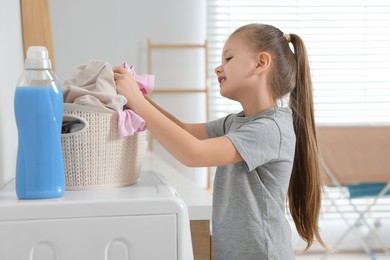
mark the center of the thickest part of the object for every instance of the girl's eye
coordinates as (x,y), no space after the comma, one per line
(227,59)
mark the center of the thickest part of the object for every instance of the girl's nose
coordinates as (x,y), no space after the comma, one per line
(218,69)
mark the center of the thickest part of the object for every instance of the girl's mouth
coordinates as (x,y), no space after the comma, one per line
(221,79)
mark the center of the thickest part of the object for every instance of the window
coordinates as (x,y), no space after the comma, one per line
(348,43)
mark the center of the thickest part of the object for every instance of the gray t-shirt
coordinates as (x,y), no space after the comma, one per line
(249,197)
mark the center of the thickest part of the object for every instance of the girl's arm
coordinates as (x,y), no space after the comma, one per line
(184,146)
(197,130)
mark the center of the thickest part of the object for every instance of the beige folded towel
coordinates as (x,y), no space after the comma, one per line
(93,84)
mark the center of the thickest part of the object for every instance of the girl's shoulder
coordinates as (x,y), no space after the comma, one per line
(273,114)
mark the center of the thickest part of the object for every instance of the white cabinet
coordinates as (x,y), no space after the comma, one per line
(113,238)
(144,221)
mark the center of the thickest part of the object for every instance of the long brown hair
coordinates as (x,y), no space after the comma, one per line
(290,74)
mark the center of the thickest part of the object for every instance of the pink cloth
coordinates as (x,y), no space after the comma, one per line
(145,82)
(129,123)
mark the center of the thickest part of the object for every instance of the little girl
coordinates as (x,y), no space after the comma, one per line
(265,154)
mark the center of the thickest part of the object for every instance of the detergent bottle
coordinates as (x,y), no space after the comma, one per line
(38,108)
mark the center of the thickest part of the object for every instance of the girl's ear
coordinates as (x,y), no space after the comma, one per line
(263,62)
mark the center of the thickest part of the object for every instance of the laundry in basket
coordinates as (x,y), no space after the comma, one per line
(95,154)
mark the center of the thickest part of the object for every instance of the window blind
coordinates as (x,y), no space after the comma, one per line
(348,44)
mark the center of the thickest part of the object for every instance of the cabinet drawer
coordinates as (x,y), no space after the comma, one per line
(101,238)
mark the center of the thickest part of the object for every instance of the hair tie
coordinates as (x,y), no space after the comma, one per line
(288,37)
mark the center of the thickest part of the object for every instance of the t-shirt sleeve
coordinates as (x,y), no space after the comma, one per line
(216,128)
(258,142)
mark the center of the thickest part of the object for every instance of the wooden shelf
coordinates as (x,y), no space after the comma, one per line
(36,26)
(179,91)
(176,46)
(162,47)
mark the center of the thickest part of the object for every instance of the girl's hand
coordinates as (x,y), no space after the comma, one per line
(127,87)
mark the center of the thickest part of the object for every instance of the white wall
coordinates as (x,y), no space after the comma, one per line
(117,31)
(11,66)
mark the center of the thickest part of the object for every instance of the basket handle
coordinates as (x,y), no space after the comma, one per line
(73,125)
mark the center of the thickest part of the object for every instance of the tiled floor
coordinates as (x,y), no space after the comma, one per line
(379,256)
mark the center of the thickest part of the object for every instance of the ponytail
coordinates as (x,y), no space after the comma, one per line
(305,188)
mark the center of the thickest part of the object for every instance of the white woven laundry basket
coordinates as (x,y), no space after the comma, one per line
(96,157)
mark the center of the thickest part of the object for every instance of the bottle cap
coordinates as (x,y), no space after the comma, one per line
(37,58)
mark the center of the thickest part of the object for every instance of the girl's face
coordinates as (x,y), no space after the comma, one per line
(236,73)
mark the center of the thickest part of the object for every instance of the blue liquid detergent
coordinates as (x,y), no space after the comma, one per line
(40,165)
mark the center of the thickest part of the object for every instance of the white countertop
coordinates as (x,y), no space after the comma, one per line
(152,195)
(198,200)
